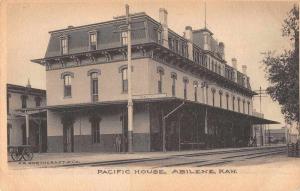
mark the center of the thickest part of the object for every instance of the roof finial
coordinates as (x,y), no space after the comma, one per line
(28,84)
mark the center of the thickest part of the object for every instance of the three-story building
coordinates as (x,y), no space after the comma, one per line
(185,94)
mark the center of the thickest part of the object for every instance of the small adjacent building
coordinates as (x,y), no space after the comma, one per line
(19,98)
(185,94)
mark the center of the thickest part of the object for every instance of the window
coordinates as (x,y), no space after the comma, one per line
(67,85)
(248,107)
(95,124)
(94,86)
(185,82)
(233,99)
(160,71)
(170,43)
(124,80)
(159,37)
(24,101)
(7,103)
(220,94)
(124,38)
(213,91)
(239,104)
(243,106)
(38,101)
(174,77)
(227,101)
(93,40)
(64,45)
(195,90)
(8,133)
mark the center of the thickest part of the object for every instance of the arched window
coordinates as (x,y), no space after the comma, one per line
(174,78)
(213,91)
(124,80)
(239,109)
(94,86)
(67,85)
(227,100)
(233,99)
(220,94)
(195,83)
(248,107)
(160,72)
(185,83)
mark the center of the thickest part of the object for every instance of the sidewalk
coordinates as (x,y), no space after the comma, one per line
(62,159)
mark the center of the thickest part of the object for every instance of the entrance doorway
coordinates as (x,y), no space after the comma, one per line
(68,137)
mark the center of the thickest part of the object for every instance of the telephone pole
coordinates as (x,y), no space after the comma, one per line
(129,70)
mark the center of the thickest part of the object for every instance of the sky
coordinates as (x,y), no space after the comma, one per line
(248,29)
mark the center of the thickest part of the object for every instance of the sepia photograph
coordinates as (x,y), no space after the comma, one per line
(149,95)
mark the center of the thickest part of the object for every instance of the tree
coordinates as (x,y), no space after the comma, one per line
(282,71)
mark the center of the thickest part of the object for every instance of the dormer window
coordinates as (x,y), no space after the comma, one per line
(124,38)
(93,40)
(64,47)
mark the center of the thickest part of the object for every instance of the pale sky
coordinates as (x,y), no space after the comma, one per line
(246,28)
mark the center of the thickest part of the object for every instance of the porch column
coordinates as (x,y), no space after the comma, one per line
(164,131)
(27,128)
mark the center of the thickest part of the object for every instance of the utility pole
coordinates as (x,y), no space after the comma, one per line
(129,70)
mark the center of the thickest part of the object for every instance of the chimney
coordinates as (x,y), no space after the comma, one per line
(221,48)
(244,69)
(188,33)
(234,63)
(163,18)
(189,36)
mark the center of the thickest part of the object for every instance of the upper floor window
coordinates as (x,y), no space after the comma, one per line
(170,43)
(24,101)
(243,106)
(220,94)
(94,86)
(195,90)
(159,37)
(93,40)
(64,47)
(233,99)
(213,91)
(124,38)
(160,72)
(7,103)
(124,80)
(227,101)
(248,107)
(239,104)
(67,85)
(185,83)
(174,77)
(38,101)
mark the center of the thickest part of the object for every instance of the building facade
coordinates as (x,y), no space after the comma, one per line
(186,96)
(19,98)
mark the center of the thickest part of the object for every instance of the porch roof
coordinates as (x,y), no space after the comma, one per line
(118,103)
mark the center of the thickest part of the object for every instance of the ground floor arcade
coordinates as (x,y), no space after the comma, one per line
(158,125)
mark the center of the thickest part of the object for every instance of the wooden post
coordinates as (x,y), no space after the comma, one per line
(179,132)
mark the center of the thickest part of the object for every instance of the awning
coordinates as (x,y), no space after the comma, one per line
(123,103)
